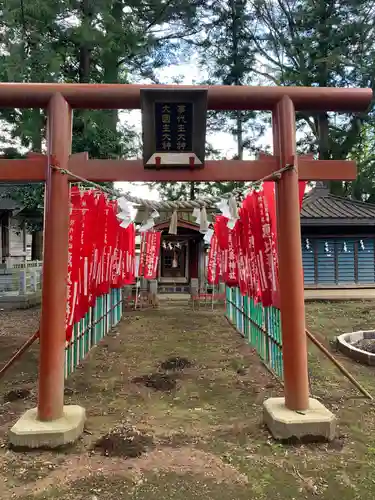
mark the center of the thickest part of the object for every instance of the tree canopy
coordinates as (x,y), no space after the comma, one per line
(302,43)
(235,42)
(106,41)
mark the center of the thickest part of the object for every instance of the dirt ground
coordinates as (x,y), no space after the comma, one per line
(174,402)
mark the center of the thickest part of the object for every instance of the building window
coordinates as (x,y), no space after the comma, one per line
(173,262)
(167,261)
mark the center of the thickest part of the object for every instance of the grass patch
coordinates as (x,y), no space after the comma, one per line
(203,437)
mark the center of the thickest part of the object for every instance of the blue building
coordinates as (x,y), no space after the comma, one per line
(338,236)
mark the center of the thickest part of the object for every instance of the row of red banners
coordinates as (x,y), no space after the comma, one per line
(101,253)
(246,256)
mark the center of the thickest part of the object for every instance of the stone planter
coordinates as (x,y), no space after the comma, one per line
(345,345)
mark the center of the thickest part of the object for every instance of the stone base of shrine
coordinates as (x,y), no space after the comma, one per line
(29,432)
(315,424)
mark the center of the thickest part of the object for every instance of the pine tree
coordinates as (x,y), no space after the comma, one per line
(318,43)
(28,54)
(226,55)
(86,42)
(363,188)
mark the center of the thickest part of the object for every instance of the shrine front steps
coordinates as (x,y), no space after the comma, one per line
(174,289)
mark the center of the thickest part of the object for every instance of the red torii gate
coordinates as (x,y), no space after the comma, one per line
(59,100)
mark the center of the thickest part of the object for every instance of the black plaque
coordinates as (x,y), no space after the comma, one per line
(174,127)
(174,121)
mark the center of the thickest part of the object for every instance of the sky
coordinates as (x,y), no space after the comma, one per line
(190,74)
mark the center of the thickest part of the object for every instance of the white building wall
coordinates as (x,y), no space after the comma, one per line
(19,242)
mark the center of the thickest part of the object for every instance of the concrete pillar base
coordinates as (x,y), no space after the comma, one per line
(29,432)
(153,293)
(194,286)
(315,424)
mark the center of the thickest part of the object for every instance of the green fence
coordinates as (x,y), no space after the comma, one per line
(260,326)
(106,313)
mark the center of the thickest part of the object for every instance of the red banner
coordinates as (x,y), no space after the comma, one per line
(222,231)
(128,252)
(264,239)
(231,270)
(100,244)
(238,233)
(213,266)
(269,193)
(152,254)
(87,250)
(249,222)
(226,241)
(142,255)
(73,260)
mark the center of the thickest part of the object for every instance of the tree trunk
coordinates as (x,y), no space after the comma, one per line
(335,187)
(323,136)
(324,81)
(111,60)
(192,191)
(85,46)
(38,129)
(236,74)
(239,136)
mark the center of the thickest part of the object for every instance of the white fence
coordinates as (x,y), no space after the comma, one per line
(21,279)
(27,264)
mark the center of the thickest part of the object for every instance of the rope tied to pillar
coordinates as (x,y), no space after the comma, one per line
(199,203)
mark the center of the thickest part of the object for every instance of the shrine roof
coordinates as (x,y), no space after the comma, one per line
(6,203)
(182,223)
(322,208)
(319,208)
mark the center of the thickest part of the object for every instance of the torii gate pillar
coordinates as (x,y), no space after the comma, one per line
(296,415)
(52,424)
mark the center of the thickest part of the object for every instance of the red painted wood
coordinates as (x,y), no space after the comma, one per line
(220,97)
